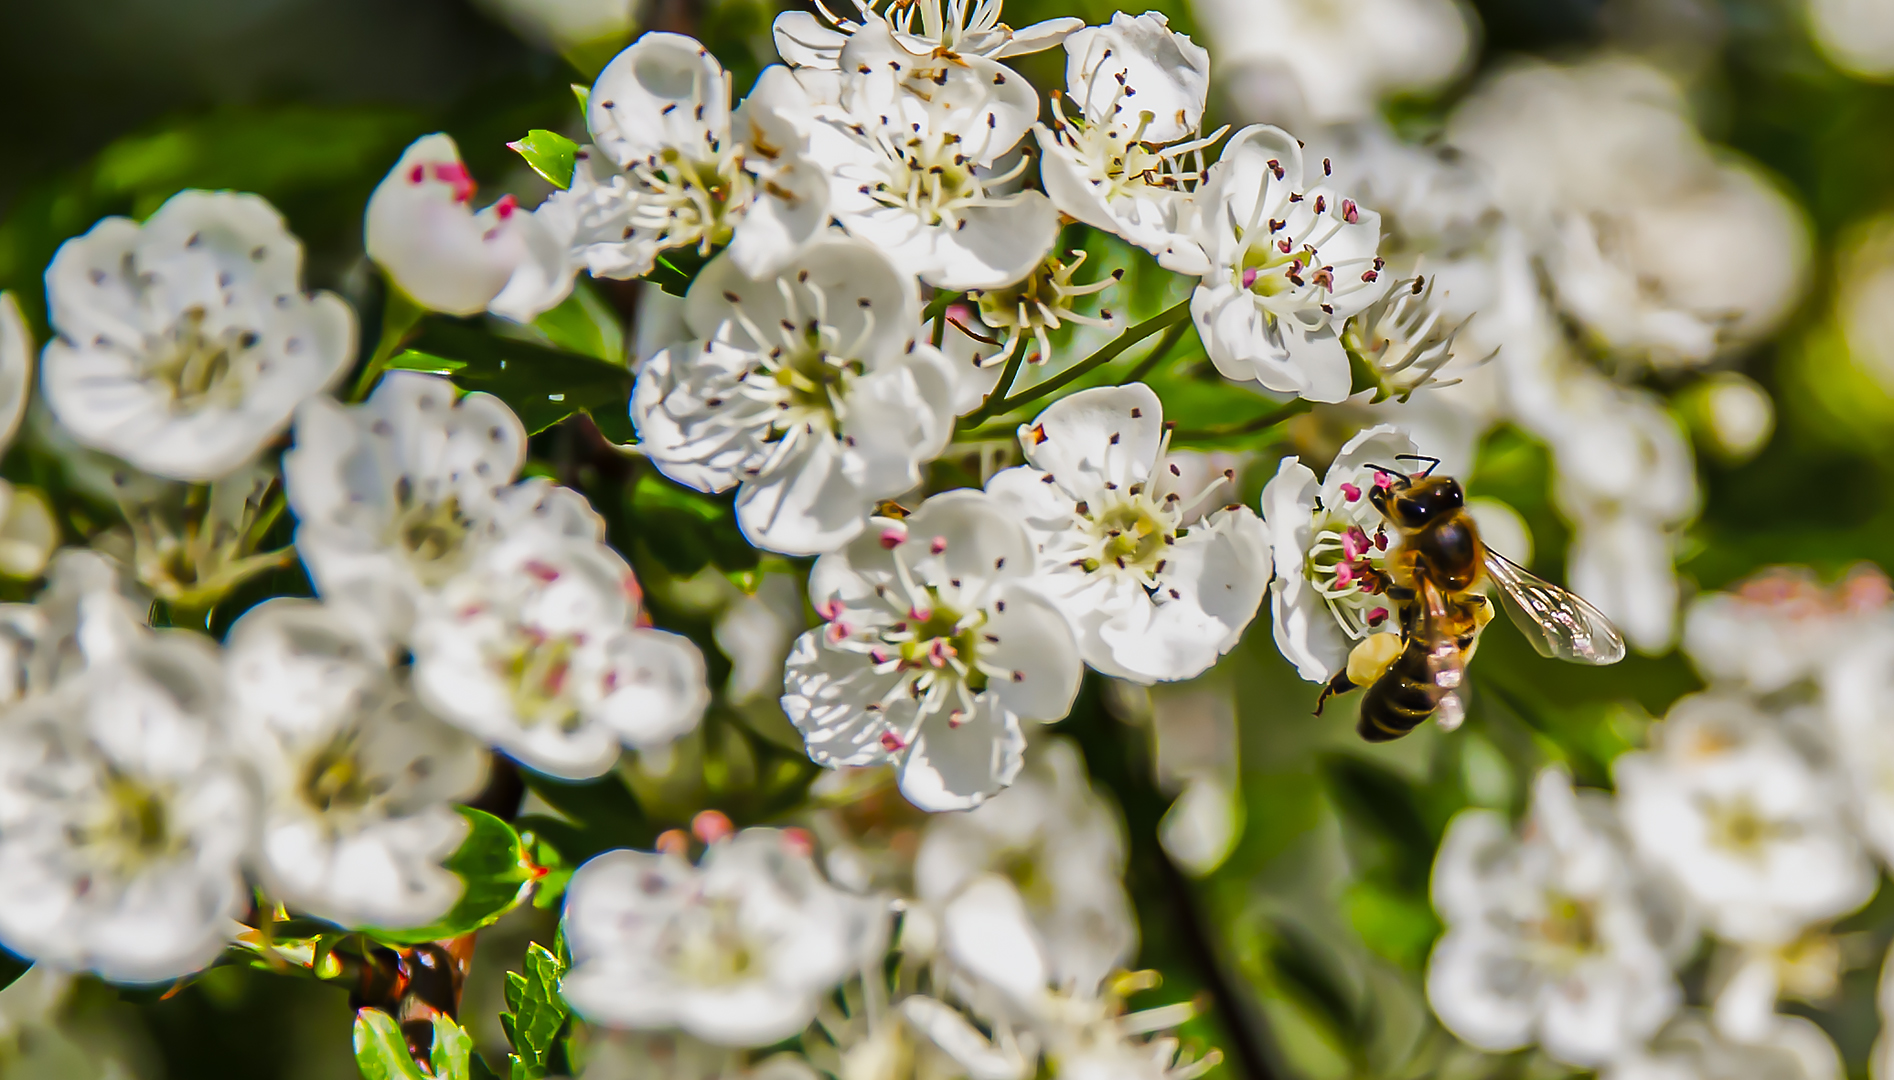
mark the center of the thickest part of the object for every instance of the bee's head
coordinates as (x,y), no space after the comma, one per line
(1415,502)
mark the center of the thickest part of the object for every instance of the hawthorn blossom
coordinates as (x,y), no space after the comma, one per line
(1290,261)
(1855,680)
(1157,580)
(1041,302)
(123,818)
(422,229)
(394,497)
(1331,549)
(1750,828)
(805,391)
(1553,936)
(28,530)
(358,780)
(937,646)
(1781,626)
(535,648)
(1661,249)
(962,27)
(671,168)
(1061,845)
(1318,63)
(1124,162)
(740,950)
(185,343)
(915,151)
(1404,339)
(1689,1047)
(16,366)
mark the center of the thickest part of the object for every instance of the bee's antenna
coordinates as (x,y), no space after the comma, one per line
(1432,462)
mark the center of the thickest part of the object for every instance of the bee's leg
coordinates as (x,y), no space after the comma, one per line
(1340,684)
(1400,593)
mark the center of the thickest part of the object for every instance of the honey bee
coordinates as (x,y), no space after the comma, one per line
(1433,575)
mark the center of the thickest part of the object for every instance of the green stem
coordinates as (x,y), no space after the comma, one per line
(997,405)
(1000,389)
(1245,427)
(936,313)
(399,315)
(1158,352)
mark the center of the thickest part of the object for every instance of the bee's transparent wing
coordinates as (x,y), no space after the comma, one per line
(1557,623)
(1446,664)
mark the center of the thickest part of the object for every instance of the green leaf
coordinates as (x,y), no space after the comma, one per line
(586,325)
(584,94)
(380,1050)
(498,875)
(686,529)
(676,269)
(543,385)
(551,155)
(538,1014)
(452,1048)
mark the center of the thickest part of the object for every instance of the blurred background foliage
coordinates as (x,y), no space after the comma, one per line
(1310,936)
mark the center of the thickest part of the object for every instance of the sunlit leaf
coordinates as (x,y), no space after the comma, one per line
(551,155)
(498,874)
(380,1050)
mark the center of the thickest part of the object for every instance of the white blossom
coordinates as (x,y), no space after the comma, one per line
(16,366)
(1750,828)
(1062,846)
(358,781)
(740,950)
(185,343)
(1856,36)
(1129,160)
(397,495)
(1331,548)
(917,153)
(1553,936)
(1691,1049)
(1662,250)
(672,168)
(1781,626)
(963,27)
(535,648)
(806,391)
(937,646)
(1290,261)
(422,229)
(1158,579)
(1316,62)
(1857,701)
(123,819)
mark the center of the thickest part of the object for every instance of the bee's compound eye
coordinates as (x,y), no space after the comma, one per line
(1410,513)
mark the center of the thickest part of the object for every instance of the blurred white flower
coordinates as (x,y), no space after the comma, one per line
(1857,696)
(535,648)
(937,646)
(1781,626)
(1061,845)
(805,390)
(1743,821)
(16,367)
(1290,261)
(565,25)
(185,344)
(358,781)
(1318,62)
(1129,166)
(1552,936)
(756,631)
(1755,977)
(963,27)
(1158,579)
(1331,549)
(1663,251)
(123,818)
(1737,413)
(395,496)
(1690,1049)
(738,951)
(916,151)
(421,228)
(1857,36)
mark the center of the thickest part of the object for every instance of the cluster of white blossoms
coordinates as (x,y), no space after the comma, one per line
(993,947)
(1756,816)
